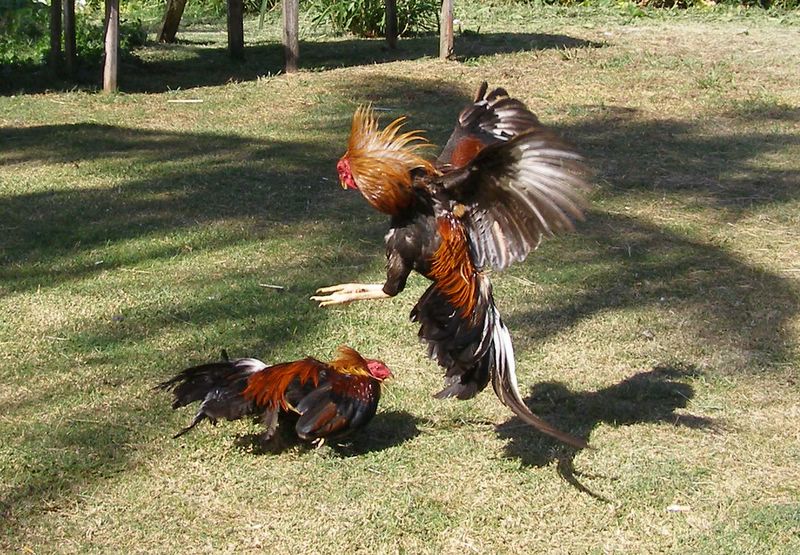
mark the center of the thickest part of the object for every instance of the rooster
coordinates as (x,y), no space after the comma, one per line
(502,182)
(329,400)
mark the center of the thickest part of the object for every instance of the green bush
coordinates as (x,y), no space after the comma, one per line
(23,32)
(367,18)
(217,9)
(25,38)
(89,38)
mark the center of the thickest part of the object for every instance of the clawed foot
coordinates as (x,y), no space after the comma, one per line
(345,293)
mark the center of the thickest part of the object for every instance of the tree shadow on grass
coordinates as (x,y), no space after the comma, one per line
(197,63)
(173,184)
(647,397)
(720,168)
(620,263)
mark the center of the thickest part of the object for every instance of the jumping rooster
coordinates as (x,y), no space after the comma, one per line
(502,182)
(331,400)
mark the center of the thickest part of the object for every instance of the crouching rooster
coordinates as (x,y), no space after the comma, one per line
(501,184)
(328,400)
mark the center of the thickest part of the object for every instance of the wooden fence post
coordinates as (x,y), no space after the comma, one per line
(391,23)
(54,57)
(446,30)
(111,65)
(236,28)
(70,55)
(291,31)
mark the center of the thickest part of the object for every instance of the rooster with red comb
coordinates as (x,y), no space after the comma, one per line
(502,182)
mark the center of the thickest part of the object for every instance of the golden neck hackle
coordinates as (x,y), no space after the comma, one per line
(382,160)
(350,362)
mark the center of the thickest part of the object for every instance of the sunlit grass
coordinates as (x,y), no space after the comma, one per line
(138,236)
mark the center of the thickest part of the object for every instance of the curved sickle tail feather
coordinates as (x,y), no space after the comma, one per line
(475,348)
(504,382)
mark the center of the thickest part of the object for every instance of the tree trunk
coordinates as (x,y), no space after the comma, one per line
(291,31)
(54,57)
(111,66)
(446,31)
(172,19)
(391,23)
(236,29)
(70,53)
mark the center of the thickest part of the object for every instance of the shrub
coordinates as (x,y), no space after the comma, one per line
(89,38)
(23,32)
(25,36)
(217,9)
(367,18)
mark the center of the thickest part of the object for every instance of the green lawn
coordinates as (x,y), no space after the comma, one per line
(137,235)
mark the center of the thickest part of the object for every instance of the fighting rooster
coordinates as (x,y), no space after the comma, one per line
(502,182)
(328,400)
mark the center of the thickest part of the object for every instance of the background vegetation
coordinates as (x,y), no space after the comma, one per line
(24,23)
(138,232)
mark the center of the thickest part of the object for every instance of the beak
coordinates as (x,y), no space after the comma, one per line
(342,184)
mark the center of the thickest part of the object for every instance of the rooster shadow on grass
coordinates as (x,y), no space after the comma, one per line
(648,397)
(387,429)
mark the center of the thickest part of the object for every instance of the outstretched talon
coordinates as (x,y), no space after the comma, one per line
(345,293)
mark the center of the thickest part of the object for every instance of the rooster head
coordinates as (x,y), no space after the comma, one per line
(346,178)
(379,162)
(378,370)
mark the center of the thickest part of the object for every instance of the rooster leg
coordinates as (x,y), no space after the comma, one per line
(349,292)
(197,419)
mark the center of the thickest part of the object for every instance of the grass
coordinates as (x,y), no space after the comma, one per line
(137,234)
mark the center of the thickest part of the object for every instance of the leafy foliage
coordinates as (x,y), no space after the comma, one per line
(668,4)
(23,31)
(89,38)
(207,9)
(24,35)
(367,18)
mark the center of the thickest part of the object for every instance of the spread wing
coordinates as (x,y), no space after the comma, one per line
(492,117)
(342,404)
(511,180)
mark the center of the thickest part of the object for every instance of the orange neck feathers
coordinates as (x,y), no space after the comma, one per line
(268,387)
(381,160)
(350,362)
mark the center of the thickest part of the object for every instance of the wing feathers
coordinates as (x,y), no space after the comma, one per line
(337,409)
(269,388)
(522,184)
(517,192)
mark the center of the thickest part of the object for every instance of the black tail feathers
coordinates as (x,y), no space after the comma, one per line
(473,350)
(193,384)
(219,387)
(455,342)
